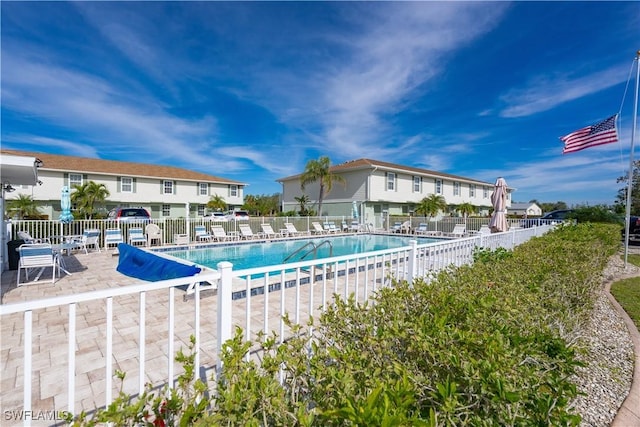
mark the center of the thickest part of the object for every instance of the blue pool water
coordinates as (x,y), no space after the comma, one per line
(251,255)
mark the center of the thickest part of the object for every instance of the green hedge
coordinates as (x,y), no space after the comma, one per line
(487,345)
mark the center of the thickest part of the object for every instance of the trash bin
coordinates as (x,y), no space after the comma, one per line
(13,254)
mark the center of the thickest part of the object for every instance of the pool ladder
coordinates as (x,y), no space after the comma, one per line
(314,249)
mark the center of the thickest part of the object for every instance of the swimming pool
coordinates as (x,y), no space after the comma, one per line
(258,254)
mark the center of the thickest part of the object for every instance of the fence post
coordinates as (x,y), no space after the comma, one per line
(413,255)
(224,307)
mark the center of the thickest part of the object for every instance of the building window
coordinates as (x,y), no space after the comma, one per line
(456,188)
(167,187)
(126,185)
(472,190)
(391,181)
(75,179)
(233,190)
(203,189)
(417,184)
(200,210)
(166,210)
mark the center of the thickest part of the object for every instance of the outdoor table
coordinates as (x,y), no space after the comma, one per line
(59,249)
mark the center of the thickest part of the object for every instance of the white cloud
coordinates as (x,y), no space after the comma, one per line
(544,92)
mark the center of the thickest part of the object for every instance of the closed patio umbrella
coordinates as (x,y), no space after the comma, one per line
(354,206)
(498,221)
(65,203)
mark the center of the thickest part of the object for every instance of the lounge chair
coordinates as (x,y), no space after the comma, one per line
(483,231)
(37,255)
(136,236)
(219,234)
(317,228)
(24,235)
(201,234)
(246,232)
(90,237)
(397,227)
(330,227)
(460,230)
(291,230)
(153,232)
(355,226)
(112,236)
(422,228)
(267,231)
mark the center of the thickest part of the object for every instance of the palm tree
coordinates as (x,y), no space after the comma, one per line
(22,207)
(319,170)
(465,209)
(87,195)
(302,200)
(217,203)
(430,206)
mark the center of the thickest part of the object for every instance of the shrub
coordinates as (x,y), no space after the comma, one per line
(487,344)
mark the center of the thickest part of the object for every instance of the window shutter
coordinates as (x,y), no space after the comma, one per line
(175,187)
(134,185)
(161,187)
(197,188)
(66,179)
(85,179)
(119,187)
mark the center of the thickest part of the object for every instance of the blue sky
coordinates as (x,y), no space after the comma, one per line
(251,91)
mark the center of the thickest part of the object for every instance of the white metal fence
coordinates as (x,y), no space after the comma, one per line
(254,299)
(170,227)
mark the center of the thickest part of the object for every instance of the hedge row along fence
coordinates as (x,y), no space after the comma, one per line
(488,344)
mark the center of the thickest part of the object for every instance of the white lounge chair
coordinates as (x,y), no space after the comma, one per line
(483,231)
(267,231)
(219,234)
(37,255)
(291,230)
(153,232)
(112,237)
(460,230)
(137,237)
(24,235)
(90,237)
(201,234)
(330,227)
(317,228)
(246,232)
(355,226)
(422,228)
(397,227)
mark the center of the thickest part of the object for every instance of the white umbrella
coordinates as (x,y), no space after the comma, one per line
(498,221)
(65,203)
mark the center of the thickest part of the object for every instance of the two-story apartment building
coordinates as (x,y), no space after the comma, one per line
(380,187)
(165,191)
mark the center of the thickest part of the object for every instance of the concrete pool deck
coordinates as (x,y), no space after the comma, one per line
(95,271)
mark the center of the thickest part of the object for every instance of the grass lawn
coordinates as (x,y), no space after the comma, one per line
(627,292)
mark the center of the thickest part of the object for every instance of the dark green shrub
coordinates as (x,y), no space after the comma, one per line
(489,344)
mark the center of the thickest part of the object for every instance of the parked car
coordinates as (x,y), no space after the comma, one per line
(129,215)
(560,214)
(237,216)
(634,229)
(216,216)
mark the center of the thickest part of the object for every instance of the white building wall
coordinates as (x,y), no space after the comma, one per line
(147,193)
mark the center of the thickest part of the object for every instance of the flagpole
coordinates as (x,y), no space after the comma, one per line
(630,178)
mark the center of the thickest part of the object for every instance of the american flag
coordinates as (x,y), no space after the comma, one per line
(601,133)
